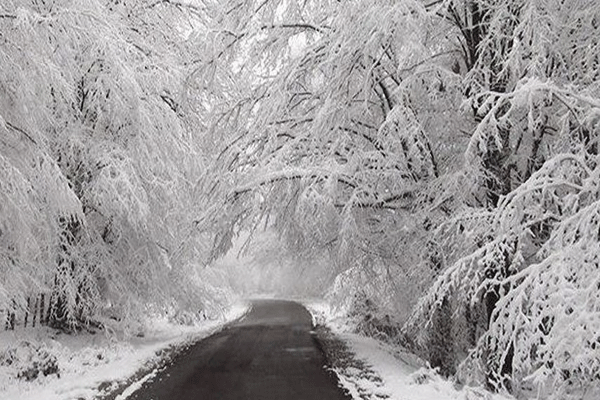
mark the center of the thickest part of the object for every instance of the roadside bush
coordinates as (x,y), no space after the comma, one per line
(29,361)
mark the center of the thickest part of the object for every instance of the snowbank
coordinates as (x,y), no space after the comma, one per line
(382,371)
(88,365)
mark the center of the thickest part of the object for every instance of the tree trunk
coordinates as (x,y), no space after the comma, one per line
(441,344)
(43,318)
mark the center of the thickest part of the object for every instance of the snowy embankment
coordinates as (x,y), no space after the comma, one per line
(88,366)
(381,371)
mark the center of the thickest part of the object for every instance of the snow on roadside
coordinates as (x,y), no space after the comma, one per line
(131,389)
(400,378)
(389,372)
(91,365)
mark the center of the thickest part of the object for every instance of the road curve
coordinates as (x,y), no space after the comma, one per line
(269,354)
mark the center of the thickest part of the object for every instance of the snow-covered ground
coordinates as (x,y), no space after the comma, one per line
(389,372)
(89,365)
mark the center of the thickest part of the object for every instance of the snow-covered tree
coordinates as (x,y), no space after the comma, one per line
(534,153)
(100,155)
(324,138)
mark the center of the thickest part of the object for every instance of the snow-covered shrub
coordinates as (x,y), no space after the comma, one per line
(30,361)
(423,375)
(364,299)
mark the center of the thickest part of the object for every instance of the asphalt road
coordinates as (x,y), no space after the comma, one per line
(269,354)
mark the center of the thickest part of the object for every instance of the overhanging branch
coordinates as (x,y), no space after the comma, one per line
(388,201)
(303,26)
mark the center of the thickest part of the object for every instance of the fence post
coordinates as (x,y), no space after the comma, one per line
(42,301)
(27,311)
(35,311)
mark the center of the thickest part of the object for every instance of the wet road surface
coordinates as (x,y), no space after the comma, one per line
(269,354)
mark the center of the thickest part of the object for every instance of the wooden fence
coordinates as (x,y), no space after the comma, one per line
(36,312)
